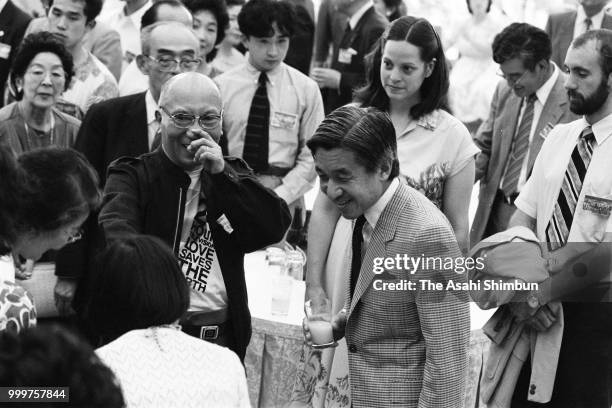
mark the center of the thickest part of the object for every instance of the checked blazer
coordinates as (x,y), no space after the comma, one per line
(408,348)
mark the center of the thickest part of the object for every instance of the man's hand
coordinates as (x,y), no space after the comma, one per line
(338,323)
(542,319)
(207,151)
(521,310)
(326,77)
(64,294)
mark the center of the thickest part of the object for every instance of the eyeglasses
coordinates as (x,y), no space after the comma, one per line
(168,64)
(39,74)
(75,236)
(186,120)
(512,78)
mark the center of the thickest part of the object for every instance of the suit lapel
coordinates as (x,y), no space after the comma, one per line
(137,128)
(508,124)
(384,232)
(551,113)
(607,21)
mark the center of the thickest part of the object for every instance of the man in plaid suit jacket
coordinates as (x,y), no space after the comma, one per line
(407,347)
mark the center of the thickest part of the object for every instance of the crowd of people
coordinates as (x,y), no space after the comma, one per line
(147,146)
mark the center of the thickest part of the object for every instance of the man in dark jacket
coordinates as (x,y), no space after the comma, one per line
(211,210)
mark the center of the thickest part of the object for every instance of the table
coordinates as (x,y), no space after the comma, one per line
(281,371)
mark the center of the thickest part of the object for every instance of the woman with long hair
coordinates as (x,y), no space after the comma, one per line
(407,77)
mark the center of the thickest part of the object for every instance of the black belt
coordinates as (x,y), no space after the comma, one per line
(274,171)
(507,199)
(206,332)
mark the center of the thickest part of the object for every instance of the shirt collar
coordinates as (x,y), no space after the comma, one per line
(596,19)
(543,92)
(359,13)
(271,74)
(2,4)
(429,121)
(151,107)
(601,129)
(373,213)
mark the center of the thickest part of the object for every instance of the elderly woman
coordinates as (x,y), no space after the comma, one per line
(138,295)
(42,70)
(45,196)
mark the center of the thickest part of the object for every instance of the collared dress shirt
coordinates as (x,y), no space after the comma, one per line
(296,110)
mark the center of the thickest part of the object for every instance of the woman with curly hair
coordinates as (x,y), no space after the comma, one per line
(42,70)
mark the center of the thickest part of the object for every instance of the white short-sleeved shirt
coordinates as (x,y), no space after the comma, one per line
(432,149)
(539,195)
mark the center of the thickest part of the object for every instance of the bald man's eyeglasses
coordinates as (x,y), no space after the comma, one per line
(186,120)
(167,64)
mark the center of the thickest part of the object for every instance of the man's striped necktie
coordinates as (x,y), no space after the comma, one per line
(519,150)
(255,151)
(560,223)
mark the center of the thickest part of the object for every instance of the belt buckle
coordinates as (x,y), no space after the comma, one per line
(209,332)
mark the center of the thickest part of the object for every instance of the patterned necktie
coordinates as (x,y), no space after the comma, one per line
(255,151)
(356,257)
(519,150)
(560,223)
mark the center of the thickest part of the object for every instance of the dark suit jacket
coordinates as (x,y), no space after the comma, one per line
(494,138)
(408,348)
(363,36)
(13,23)
(300,47)
(560,29)
(111,129)
(329,30)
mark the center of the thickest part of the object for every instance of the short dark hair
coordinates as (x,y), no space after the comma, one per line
(420,33)
(524,41)
(91,10)
(231,3)
(34,44)
(219,10)
(469,7)
(150,16)
(51,356)
(12,194)
(63,186)
(137,283)
(603,44)
(257,16)
(367,132)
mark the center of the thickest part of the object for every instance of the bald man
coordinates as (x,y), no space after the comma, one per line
(124,126)
(210,209)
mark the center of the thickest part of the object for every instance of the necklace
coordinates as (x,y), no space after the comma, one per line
(36,140)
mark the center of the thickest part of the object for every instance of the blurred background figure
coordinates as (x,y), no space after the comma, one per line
(53,357)
(392,9)
(42,70)
(210,21)
(126,21)
(563,27)
(138,295)
(228,56)
(13,24)
(473,79)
